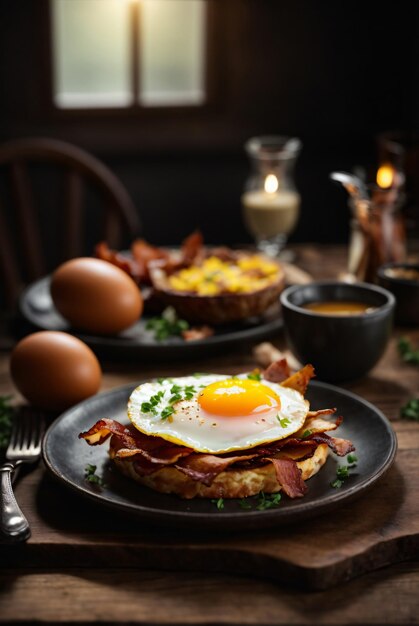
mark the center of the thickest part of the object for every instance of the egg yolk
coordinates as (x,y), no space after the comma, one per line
(236,397)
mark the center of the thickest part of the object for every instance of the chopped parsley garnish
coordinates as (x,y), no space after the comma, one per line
(410,410)
(306,433)
(167,412)
(268,501)
(163,380)
(284,421)
(263,501)
(255,375)
(150,406)
(168,325)
(407,352)
(6,420)
(91,476)
(178,393)
(342,472)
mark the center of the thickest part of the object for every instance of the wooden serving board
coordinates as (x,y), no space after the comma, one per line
(379,529)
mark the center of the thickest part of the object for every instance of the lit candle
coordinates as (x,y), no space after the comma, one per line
(389,182)
(272,210)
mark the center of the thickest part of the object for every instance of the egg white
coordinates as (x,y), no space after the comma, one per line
(194,428)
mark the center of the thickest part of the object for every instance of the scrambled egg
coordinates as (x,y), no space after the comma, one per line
(214,276)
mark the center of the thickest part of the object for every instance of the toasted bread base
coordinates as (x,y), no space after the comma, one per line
(228,484)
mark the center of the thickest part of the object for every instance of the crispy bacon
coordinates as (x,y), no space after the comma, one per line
(205,467)
(142,253)
(288,476)
(321,412)
(102,430)
(128,265)
(299,381)
(277,371)
(341,447)
(191,248)
(129,442)
(148,454)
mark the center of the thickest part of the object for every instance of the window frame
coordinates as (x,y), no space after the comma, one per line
(136,109)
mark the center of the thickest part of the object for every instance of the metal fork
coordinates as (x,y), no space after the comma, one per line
(24,447)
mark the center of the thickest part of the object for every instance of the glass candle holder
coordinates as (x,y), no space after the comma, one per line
(270,201)
(377,233)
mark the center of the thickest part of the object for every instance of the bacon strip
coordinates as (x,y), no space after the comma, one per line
(321,412)
(341,447)
(143,253)
(128,265)
(288,476)
(102,430)
(277,371)
(128,442)
(299,381)
(148,453)
(206,467)
(191,248)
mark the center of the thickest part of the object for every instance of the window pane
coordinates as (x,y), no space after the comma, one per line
(91,50)
(172,52)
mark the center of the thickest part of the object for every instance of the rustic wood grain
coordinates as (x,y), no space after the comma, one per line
(147,597)
(75,545)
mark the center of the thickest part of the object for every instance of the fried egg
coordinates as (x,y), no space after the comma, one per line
(216,413)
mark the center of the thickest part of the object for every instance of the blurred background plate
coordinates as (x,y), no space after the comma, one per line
(37,308)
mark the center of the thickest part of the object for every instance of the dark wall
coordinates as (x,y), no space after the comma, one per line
(334,74)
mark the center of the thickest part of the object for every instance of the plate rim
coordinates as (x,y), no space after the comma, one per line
(277,516)
(104,342)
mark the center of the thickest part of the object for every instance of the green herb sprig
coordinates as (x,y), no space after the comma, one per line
(260,502)
(167,325)
(255,375)
(407,352)
(342,472)
(6,421)
(177,392)
(410,410)
(151,404)
(91,476)
(306,433)
(263,501)
(284,421)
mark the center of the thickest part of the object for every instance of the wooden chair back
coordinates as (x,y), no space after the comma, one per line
(26,258)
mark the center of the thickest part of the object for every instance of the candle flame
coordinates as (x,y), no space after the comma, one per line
(385,176)
(271,183)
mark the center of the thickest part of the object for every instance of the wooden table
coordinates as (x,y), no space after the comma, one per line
(57,585)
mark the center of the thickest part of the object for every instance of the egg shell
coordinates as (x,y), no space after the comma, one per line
(54,370)
(96,296)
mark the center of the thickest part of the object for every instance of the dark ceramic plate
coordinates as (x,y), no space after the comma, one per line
(67,456)
(37,308)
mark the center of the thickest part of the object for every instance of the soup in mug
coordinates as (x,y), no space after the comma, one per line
(339,307)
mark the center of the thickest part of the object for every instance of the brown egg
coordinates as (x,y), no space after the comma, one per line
(54,370)
(96,296)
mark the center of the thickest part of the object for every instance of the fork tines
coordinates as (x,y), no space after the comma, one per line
(27,432)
